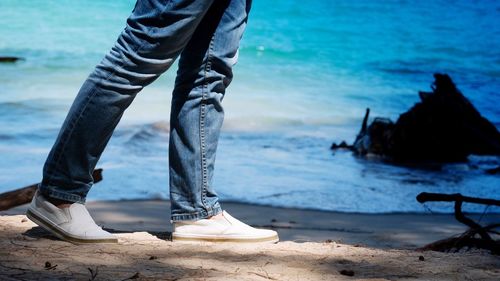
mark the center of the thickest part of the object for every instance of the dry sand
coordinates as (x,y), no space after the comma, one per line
(371,247)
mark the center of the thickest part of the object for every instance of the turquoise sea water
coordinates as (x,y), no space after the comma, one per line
(306,73)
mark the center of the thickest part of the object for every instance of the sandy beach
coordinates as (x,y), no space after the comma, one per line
(314,245)
(140,88)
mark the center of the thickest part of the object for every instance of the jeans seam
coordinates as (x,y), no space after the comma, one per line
(207,69)
(88,100)
(197,214)
(51,191)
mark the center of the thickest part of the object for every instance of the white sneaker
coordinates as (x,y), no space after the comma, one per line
(225,229)
(73,224)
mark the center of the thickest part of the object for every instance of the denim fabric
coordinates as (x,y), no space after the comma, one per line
(205,35)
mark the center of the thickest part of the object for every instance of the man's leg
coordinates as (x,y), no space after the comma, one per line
(154,36)
(205,71)
(197,114)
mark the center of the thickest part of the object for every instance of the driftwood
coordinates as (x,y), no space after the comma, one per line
(24,195)
(468,238)
(443,127)
(9,59)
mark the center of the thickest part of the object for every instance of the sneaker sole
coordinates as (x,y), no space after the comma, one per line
(62,235)
(181,238)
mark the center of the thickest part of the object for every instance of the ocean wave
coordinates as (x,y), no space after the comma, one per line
(146,133)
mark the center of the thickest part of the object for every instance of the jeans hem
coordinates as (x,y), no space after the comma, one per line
(54,192)
(203,214)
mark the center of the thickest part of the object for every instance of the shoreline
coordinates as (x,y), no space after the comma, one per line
(304,209)
(384,231)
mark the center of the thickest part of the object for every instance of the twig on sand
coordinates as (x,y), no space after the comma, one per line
(263,275)
(49,266)
(93,274)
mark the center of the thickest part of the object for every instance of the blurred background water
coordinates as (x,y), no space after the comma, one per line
(306,73)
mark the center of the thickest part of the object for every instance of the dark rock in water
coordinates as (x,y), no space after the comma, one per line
(493,171)
(343,144)
(443,127)
(9,59)
(373,139)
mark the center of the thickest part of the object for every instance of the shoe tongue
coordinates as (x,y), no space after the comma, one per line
(238,223)
(227,215)
(230,218)
(80,214)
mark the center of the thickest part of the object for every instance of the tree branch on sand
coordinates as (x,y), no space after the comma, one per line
(24,195)
(477,236)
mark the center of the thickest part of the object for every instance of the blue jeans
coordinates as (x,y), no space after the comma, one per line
(205,35)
